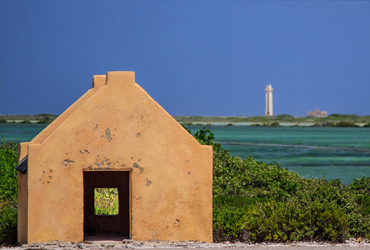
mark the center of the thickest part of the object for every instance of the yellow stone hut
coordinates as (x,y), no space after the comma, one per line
(115,136)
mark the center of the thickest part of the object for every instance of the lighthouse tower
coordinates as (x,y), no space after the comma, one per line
(268,108)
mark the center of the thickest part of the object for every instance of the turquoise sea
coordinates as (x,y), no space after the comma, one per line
(336,153)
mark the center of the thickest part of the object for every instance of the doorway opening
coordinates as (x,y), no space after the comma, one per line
(106,205)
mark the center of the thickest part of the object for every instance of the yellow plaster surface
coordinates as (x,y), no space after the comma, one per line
(117,126)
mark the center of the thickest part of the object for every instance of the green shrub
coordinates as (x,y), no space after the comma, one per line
(335,115)
(44,121)
(323,124)
(106,201)
(361,190)
(273,124)
(255,220)
(8,193)
(367,125)
(345,124)
(285,118)
(255,201)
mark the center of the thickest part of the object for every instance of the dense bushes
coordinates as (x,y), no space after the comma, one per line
(267,220)
(258,202)
(8,193)
(341,124)
(346,124)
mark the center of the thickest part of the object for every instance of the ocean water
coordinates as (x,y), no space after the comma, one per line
(18,132)
(333,153)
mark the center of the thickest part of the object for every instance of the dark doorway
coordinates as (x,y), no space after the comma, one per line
(107,227)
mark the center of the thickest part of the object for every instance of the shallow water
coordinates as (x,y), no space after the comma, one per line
(18,132)
(336,153)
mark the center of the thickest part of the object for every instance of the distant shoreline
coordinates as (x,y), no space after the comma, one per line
(282,124)
(284,120)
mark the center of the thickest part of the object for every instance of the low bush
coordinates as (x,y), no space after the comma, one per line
(257,202)
(8,193)
(187,124)
(285,118)
(44,121)
(247,219)
(106,201)
(323,124)
(346,124)
(273,124)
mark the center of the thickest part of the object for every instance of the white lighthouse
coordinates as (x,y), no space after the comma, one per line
(268,107)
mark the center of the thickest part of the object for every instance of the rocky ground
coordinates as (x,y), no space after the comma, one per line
(92,245)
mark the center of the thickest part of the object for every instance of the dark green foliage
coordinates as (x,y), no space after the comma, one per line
(257,220)
(323,124)
(349,116)
(338,124)
(285,118)
(273,124)
(255,201)
(8,193)
(44,121)
(3,121)
(345,124)
(187,123)
(26,122)
(269,119)
(361,189)
(367,125)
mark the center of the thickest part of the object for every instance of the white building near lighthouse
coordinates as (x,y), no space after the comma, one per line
(268,106)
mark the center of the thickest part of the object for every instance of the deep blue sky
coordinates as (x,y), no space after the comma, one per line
(192,57)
